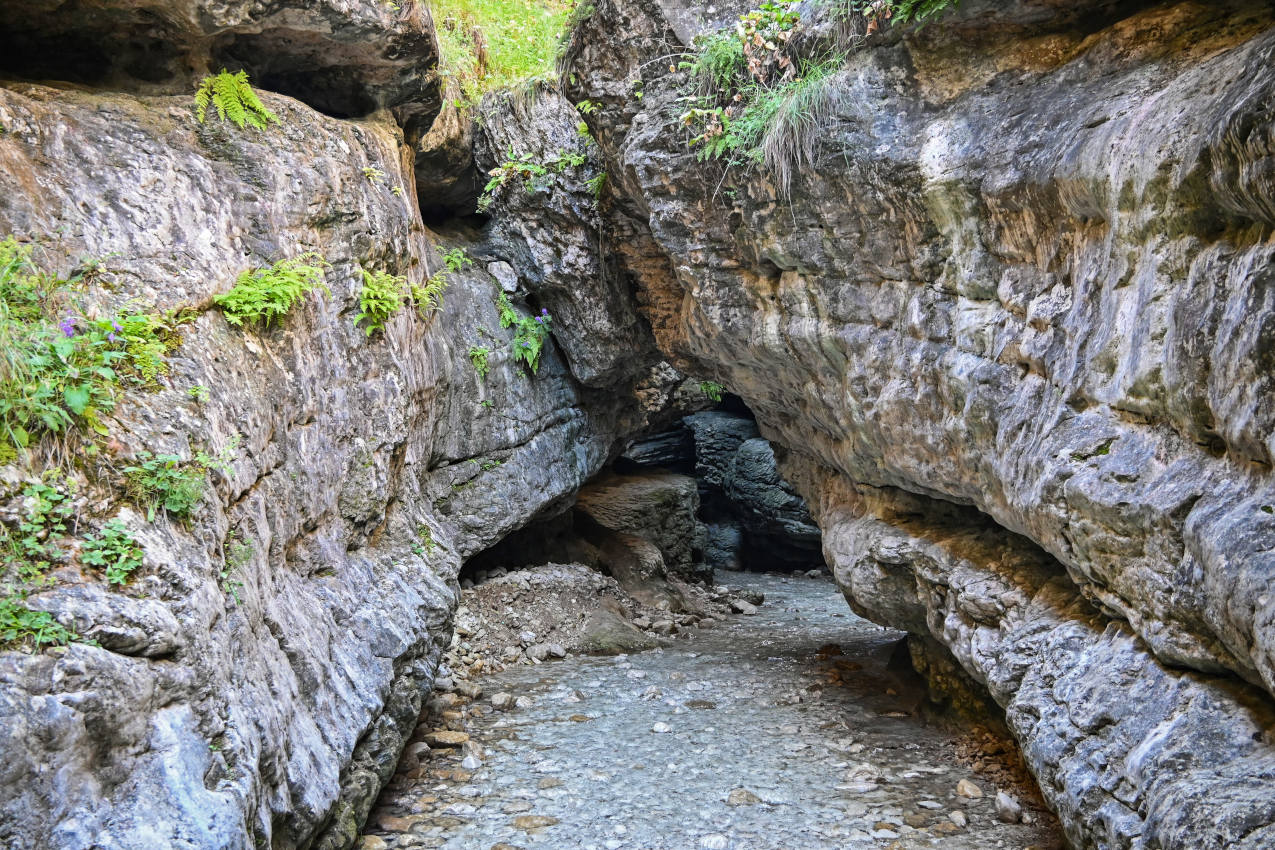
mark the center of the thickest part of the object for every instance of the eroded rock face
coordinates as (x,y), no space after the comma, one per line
(256,680)
(772,527)
(1026,271)
(347,58)
(658,507)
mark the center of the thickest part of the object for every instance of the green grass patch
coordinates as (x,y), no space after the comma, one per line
(492,44)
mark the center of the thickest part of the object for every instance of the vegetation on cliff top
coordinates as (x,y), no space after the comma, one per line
(491,44)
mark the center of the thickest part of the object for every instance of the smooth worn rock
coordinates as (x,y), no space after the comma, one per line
(658,507)
(1008,810)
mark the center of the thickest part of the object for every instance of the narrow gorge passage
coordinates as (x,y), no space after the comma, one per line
(788,729)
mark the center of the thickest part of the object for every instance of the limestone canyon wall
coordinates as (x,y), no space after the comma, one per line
(1009,325)
(254,685)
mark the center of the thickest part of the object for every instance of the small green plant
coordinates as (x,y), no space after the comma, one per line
(24,627)
(900,12)
(587,107)
(373,174)
(712,390)
(239,554)
(478,356)
(529,171)
(46,510)
(456,260)
(522,168)
(530,332)
(113,551)
(425,540)
(172,484)
(380,298)
(198,393)
(487,403)
(60,366)
(264,296)
(234,100)
(596,184)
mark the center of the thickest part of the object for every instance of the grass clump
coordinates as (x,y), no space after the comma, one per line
(492,44)
(753,101)
(234,100)
(61,366)
(264,296)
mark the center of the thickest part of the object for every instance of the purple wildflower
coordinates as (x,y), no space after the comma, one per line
(540,320)
(67,326)
(111,336)
(115,326)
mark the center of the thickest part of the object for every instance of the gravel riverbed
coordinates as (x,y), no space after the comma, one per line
(784,730)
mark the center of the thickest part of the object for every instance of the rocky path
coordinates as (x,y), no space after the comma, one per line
(786,730)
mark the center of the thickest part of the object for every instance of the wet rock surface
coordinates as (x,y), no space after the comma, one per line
(785,729)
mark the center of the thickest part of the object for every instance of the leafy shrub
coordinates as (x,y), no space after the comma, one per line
(266,295)
(478,356)
(712,390)
(58,366)
(380,298)
(113,550)
(234,100)
(530,332)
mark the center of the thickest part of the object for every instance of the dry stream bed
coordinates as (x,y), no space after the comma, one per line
(785,730)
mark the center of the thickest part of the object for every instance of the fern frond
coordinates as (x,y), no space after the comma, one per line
(203,97)
(234,100)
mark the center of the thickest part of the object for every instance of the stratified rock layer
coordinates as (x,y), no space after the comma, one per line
(256,680)
(1025,269)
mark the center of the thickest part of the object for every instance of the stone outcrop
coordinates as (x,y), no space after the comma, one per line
(759,520)
(658,507)
(1021,267)
(254,684)
(346,58)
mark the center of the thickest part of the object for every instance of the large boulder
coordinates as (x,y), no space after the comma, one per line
(659,507)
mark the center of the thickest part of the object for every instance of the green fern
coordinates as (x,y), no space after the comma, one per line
(266,295)
(429,298)
(234,100)
(380,298)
